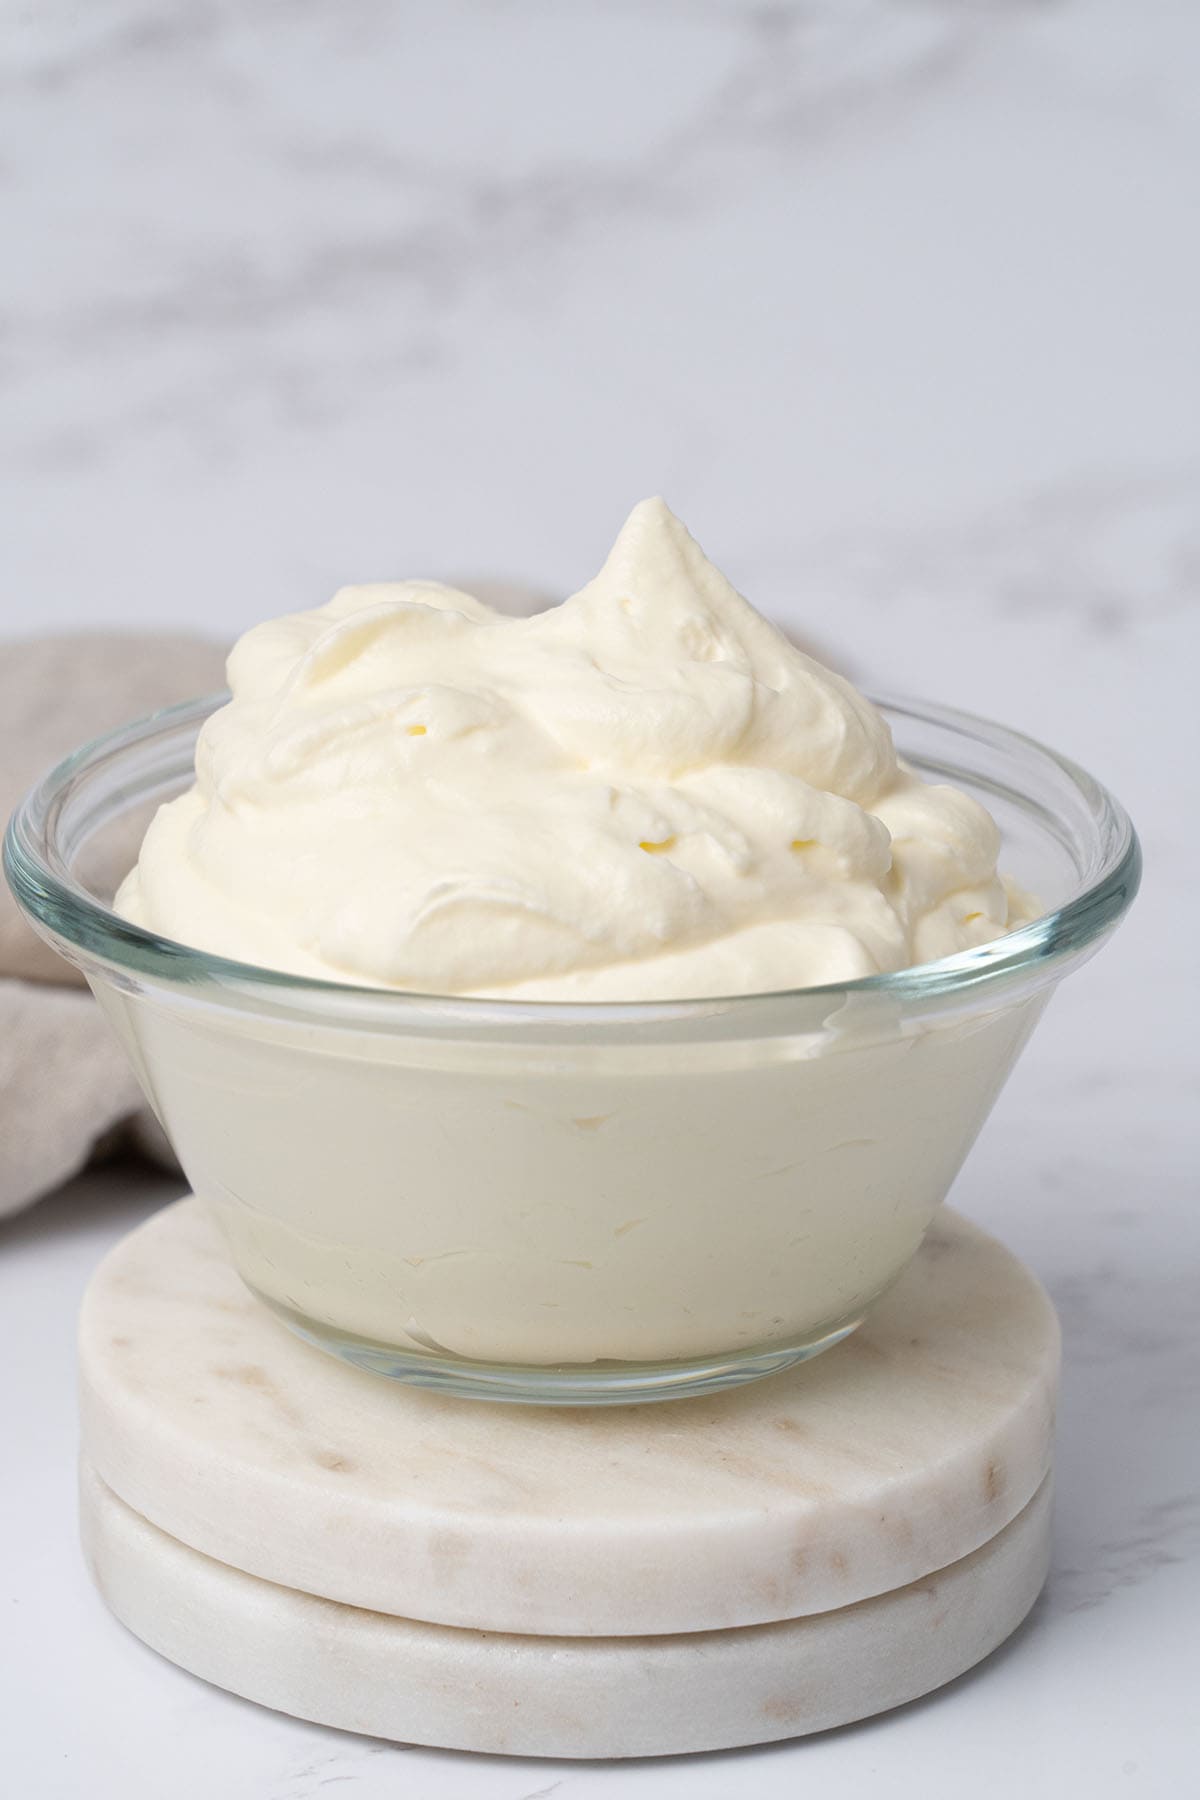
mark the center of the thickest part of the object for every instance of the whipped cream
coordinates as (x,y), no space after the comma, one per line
(644,793)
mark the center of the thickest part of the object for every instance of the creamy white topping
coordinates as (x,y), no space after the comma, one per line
(644,793)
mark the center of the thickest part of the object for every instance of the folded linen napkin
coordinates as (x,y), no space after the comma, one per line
(65,1087)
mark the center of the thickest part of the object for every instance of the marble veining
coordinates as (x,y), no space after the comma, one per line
(776,79)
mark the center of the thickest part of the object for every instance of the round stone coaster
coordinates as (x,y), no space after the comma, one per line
(901,1451)
(566,1696)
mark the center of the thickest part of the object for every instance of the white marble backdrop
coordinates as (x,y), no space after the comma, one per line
(897,301)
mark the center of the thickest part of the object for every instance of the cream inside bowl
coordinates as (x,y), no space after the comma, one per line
(485,1115)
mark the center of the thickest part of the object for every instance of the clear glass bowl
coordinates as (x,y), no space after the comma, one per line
(565,1203)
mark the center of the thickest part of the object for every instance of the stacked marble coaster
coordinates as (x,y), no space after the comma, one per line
(692,1575)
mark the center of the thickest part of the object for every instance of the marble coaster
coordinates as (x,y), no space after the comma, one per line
(901,1451)
(561,1697)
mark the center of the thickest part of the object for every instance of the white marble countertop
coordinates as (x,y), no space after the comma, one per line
(896,301)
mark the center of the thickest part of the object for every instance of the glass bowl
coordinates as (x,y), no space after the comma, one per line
(575,1203)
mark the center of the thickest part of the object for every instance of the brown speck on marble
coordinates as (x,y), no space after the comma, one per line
(593,1123)
(448,1551)
(245,1375)
(839,1562)
(330,1459)
(993,1482)
(250,1375)
(121,1343)
(781,1709)
(768,1590)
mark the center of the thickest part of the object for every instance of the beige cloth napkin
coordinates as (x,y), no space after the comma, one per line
(65,1087)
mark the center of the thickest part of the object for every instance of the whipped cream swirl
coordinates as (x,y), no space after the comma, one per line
(646,792)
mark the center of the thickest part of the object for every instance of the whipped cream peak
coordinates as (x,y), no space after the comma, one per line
(646,792)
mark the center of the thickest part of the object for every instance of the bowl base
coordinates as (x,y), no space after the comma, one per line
(556,1384)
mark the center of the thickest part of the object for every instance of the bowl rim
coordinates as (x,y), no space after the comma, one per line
(62,909)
